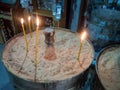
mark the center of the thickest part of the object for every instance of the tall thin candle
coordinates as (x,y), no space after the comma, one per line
(22,22)
(29,18)
(36,47)
(82,38)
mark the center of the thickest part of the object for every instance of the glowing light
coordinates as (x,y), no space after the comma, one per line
(83,35)
(37,21)
(29,18)
(22,20)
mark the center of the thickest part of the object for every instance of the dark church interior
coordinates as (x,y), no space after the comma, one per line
(55,29)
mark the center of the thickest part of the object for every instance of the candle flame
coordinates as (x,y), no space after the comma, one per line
(37,21)
(83,35)
(29,18)
(22,20)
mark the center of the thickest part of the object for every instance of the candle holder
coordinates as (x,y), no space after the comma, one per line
(49,40)
(49,36)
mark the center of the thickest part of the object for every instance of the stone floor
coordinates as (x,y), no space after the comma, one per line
(92,82)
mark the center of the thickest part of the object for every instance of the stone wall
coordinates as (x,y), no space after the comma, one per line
(104,27)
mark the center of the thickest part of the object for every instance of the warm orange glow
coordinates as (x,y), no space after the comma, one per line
(37,21)
(83,35)
(29,18)
(22,20)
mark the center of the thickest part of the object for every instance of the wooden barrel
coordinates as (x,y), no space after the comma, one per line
(63,72)
(108,67)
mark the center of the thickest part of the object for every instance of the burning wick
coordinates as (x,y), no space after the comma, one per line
(82,38)
(22,22)
(29,18)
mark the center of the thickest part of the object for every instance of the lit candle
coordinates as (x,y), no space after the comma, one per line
(82,38)
(29,18)
(22,22)
(36,47)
